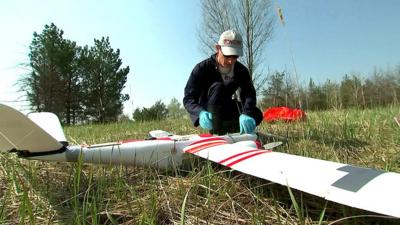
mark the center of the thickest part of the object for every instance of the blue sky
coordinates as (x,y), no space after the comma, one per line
(158,40)
(332,38)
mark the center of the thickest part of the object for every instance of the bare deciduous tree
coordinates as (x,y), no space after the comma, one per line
(254,19)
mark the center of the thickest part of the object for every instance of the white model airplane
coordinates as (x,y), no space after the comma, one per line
(40,136)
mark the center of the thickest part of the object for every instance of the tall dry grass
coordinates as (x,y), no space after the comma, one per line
(33,192)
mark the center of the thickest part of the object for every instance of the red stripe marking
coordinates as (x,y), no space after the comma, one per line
(258,143)
(239,154)
(205,135)
(246,157)
(204,146)
(207,139)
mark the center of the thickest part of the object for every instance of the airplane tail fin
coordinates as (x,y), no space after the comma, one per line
(40,133)
(50,123)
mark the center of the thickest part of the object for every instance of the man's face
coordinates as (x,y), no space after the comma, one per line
(225,60)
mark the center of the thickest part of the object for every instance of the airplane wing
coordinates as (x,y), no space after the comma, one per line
(18,132)
(363,188)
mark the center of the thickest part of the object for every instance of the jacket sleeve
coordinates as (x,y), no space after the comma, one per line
(193,91)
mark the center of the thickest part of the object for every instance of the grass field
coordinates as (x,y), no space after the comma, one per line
(33,192)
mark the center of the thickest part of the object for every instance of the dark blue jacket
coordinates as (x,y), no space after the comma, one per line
(204,75)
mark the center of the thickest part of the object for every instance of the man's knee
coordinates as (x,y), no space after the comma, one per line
(216,93)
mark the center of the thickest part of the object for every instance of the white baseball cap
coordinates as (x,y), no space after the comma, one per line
(231,43)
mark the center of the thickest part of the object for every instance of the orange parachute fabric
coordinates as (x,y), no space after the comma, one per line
(283,114)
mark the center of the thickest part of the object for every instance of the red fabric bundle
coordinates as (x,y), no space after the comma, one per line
(283,114)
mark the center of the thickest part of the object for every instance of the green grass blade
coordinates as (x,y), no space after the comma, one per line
(182,214)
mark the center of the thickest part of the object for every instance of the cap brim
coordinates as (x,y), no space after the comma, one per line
(232,51)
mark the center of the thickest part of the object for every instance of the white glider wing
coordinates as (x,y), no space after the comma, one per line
(363,188)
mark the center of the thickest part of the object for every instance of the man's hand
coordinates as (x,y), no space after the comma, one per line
(247,124)
(205,120)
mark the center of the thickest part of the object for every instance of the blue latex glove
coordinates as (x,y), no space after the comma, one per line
(247,124)
(205,120)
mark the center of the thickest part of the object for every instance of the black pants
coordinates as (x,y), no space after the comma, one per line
(228,110)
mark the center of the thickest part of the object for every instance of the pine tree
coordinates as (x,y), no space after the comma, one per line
(103,80)
(52,84)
